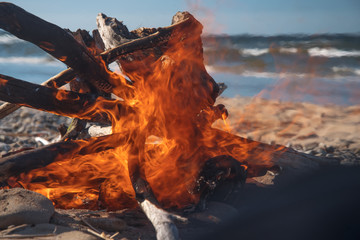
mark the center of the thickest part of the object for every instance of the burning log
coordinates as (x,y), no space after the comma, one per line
(125,47)
(60,102)
(56,81)
(259,156)
(23,162)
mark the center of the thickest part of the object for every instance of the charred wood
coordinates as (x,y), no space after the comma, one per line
(61,102)
(56,81)
(215,172)
(98,41)
(185,33)
(23,162)
(259,156)
(60,79)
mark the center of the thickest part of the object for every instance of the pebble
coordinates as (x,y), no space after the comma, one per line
(4,147)
(19,129)
(311,146)
(330,149)
(20,206)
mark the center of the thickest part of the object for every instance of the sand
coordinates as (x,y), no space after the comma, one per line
(324,130)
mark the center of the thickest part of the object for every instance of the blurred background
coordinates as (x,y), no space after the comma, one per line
(282,49)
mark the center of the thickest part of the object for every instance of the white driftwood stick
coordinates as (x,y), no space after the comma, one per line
(161,220)
(98,131)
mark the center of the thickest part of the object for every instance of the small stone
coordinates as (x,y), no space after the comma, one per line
(15,145)
(330,149)
(20,206)
(322,145)
(311,152)
(298,147)
(311,146)
(4,147)
(6,139)
(322,152)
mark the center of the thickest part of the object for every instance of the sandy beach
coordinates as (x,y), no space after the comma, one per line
(323,130)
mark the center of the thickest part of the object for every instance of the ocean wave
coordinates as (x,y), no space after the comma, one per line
(253,51)
(9,39)
(282,75)
(346,70)
(288,50)
(313,52)
(29,60)
(336,73)
(257,74)
(332,52)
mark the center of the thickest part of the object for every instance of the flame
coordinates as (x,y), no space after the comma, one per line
(3,81)
(164,134)
(47,46)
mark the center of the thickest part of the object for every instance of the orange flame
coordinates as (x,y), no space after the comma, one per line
(166,136)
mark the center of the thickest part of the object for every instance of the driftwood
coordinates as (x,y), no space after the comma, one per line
(56,81)
(56,101)
(118,41)
(287,158)
(25,161)
(115,35)
(114,50)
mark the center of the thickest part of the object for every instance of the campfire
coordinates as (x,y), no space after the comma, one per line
(162,148)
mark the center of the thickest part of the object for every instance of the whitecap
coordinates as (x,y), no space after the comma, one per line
(332,52)
(9,39)
(355,71)
(29,60)
(253,51)
(288,50)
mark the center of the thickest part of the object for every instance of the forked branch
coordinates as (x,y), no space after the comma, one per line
(61,102)
(56,81)
(58,43)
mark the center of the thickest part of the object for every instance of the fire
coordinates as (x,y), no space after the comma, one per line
(167,132)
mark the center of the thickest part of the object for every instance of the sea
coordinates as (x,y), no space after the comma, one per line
(320,68)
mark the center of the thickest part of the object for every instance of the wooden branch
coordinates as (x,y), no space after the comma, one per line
(56,81)
(184,35)
(258,155)
(126,45)
(60,79)
(60,102)
(161,220)
(57,42)
(22,162)
(98,41)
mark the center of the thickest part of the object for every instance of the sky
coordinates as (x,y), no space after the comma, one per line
(268,17)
